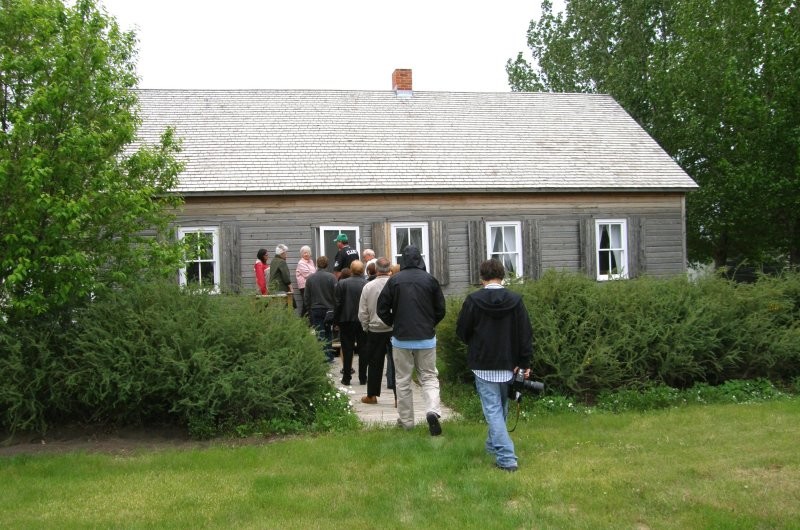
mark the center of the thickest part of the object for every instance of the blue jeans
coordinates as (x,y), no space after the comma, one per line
(324,333)
(494,401)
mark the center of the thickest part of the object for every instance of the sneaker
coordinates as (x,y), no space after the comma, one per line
(433,423)
(509,469)
(369,400)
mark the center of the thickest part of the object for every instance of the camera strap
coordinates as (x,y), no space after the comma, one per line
(516,421)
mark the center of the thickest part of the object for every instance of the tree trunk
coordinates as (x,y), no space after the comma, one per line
(720,251)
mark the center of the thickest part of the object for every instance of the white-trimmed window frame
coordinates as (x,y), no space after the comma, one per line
(616,251)
(517,254)
(214,231)
(354,243)
(425,250)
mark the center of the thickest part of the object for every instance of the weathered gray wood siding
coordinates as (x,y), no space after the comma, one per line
(560,245)
(557,229)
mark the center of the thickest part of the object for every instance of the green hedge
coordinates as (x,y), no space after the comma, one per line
(213,364)
(159,354)
(593,337)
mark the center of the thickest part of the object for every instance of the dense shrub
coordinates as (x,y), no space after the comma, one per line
(27,362)
(158,354)
(592,337)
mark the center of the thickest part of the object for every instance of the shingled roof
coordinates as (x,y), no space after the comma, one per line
(320,141)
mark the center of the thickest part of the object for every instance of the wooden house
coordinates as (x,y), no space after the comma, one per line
(540,180)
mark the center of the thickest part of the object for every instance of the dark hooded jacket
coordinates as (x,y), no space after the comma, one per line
(412,300)
(495,326)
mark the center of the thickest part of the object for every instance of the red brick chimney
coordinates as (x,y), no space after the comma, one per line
(401,81)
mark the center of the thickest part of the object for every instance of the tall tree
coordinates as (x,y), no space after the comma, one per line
(77,212)
(714,82)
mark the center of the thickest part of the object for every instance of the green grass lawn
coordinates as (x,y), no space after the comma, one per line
(715,466)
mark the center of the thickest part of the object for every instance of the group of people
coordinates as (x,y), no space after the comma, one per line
(275,276)
(392,315)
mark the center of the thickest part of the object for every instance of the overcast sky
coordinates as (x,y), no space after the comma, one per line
(450,45)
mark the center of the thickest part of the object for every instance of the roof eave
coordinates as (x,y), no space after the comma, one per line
(432,191)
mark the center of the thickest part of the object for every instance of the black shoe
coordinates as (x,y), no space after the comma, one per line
(509,469)
(346,382)
(433,424)
(362,382)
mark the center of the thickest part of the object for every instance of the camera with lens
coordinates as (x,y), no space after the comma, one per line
(520,384)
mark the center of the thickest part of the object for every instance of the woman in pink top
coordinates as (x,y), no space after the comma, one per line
(305,268)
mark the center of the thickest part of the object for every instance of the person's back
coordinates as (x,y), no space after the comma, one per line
(320,290)
(412,303)
(379,335)
(367,309)
(500,329)
(494,324)
(345,315)
(348,294)
(319,299)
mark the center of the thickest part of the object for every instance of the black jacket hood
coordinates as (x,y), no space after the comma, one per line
(412,259)
(496,302)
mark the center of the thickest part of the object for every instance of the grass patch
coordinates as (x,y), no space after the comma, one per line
(712,466)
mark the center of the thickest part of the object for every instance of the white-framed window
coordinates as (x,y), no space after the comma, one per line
(504,243)
(405,234)
(202,257)
(327,234)
(611,239)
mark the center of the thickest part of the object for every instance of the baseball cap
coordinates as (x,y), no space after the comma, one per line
(341,238)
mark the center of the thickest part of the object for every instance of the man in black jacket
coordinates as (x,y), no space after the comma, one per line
(494,324)
(412,302)
(345,315)
(319,297)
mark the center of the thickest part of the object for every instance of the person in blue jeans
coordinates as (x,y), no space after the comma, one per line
(494,324)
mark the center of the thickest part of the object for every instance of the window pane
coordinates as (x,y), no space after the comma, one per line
(402,236)
(509,264)
(205,243)
(207,273)
(192,272)
(497,239)
(603,261)
(604,240)
(402,239)
(190,240)
(416,237)
(510,238)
